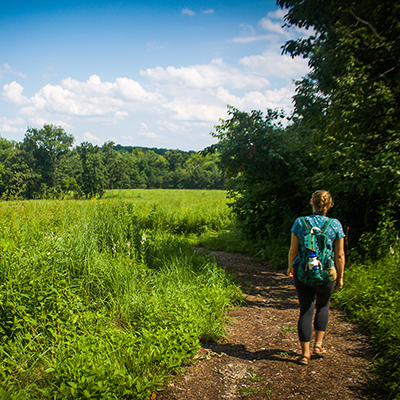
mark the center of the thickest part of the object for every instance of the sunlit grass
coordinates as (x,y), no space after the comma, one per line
(106,298)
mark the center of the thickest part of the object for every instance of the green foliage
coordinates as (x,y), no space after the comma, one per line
(371,297)
(267,167)
(93,303)
(93,177)
(350,102)
(46,146)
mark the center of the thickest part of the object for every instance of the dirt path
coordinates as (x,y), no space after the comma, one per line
(258,358)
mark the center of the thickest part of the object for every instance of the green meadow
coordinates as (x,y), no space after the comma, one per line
(106,298)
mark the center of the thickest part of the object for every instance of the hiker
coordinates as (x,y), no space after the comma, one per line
(315,295)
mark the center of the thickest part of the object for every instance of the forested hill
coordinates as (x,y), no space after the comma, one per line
(45,164)
(156,150)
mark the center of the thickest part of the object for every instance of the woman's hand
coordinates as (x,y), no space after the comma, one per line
(339,283)
(290,271)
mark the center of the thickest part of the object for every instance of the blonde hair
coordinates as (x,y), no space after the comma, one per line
(321,202)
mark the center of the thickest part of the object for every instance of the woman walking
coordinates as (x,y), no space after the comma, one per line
(316,297)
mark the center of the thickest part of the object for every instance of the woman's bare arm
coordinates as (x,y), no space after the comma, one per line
(339,262)
(293,251)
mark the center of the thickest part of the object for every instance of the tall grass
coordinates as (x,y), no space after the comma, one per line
(101,299)
(371,297)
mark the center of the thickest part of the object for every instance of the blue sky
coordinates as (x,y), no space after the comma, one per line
(151,74)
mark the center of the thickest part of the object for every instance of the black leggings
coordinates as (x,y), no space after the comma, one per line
(321,294)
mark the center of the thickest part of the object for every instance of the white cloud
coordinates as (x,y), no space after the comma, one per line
(195,109)
(274,64)
(278,14)
(251,39)
(275,27)
(257,100)
(246,29)
(88,137)
(11,125)
(183,101)
(204,76)
(13,93)
(37,120)
(92,98)
(209,11)
(188,11)
(145,131)
(172,126)
(6,69)
(273,24)
(16,121)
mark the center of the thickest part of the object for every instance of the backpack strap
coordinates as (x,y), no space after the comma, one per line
(305,223)
(326,225)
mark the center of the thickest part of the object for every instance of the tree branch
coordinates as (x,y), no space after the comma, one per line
(365,23)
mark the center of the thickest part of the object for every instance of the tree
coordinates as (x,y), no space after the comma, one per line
(116,167)
(18,179)
(47,146)
(93,177)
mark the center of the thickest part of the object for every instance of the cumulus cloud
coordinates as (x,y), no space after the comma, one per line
(278,14)
(209,11)
(274,64)
(204,76)
(260,100)
(92,98)
(187,108)
(13,93)
(181,101)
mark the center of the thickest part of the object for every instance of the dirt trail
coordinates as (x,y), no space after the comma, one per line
(258,358)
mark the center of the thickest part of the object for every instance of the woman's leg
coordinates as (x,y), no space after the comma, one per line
(306,295)
(323,296)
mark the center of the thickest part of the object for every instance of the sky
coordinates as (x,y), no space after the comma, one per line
(151,74)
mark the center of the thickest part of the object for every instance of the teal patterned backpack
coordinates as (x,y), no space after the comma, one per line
(312,269)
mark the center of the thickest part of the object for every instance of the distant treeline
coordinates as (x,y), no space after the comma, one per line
(46,165)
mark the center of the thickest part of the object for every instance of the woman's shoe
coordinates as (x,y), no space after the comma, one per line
(303,360)
(319,351)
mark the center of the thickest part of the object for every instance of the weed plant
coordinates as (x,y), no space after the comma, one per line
(102,299)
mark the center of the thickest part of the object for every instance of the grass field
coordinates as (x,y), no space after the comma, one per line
(106,298)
